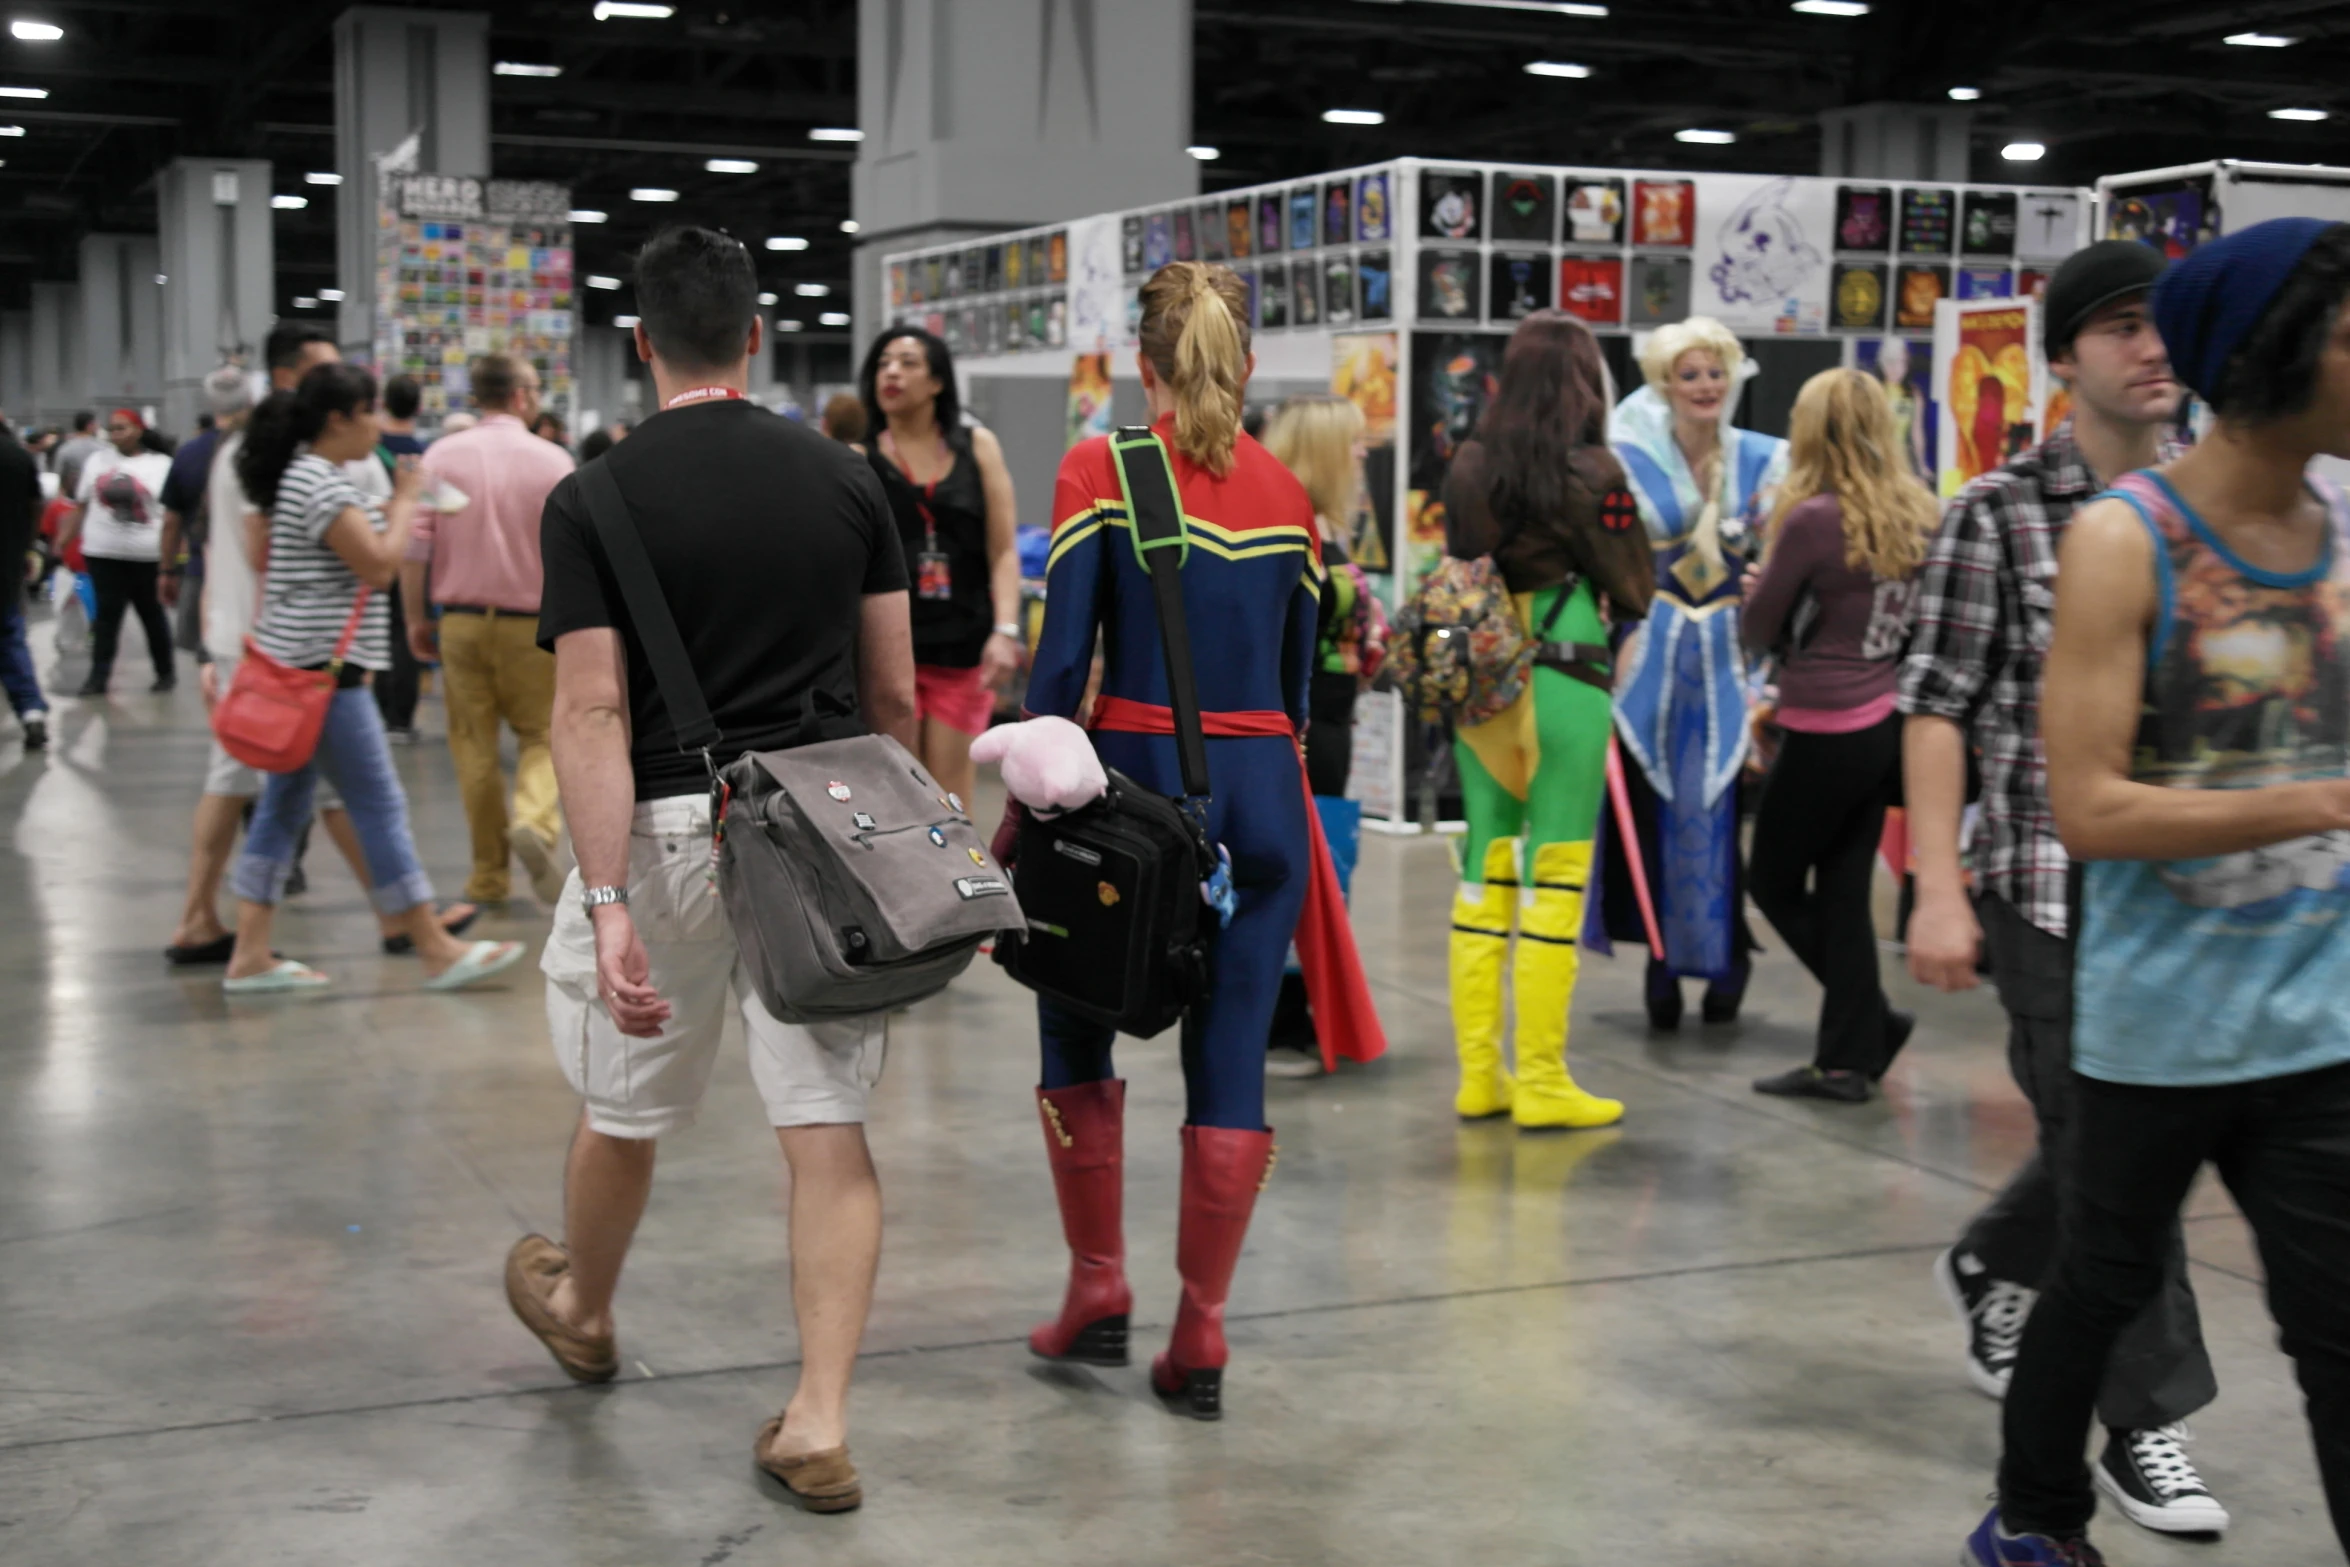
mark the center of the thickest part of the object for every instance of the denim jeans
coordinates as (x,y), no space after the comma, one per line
(356,759)
(16,660)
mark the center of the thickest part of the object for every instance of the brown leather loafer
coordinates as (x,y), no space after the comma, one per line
(823,1482)
(533,1268)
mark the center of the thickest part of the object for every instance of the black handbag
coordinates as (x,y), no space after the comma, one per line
(1116,925)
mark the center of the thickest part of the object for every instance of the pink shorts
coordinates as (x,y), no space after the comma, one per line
(954,697)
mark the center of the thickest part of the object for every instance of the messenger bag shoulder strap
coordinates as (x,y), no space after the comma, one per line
(1147,479)
(656,628)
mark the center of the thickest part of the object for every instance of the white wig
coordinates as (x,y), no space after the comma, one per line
(1667,344)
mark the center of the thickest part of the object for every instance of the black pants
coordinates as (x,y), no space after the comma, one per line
(2159,1370)
(395,688)
(1330,737)
(126,585)
(1816,830)
(2283,1148)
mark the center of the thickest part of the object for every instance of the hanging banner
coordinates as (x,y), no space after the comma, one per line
(1762,254)
(467,267)
(1991,385)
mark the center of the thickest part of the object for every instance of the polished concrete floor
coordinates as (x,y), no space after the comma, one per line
(250,1311)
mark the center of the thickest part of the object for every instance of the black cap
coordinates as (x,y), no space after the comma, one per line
(2090,279)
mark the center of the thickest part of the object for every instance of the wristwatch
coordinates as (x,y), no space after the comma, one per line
(1008,628)
(594,898)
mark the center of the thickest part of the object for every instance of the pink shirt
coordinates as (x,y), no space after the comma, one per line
(486,554)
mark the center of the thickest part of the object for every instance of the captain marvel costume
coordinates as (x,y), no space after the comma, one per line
(1251,580)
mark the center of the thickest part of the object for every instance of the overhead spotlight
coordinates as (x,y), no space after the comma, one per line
(791,326)
(289,203)
(11,130)
(1965,94)
(1845,8)
(37,32)
(730,166)
(586,215)
(833,318)
(598,280)
(624,321)
(160,278)
(2023,152)
(333,296)
(1353,117)
(848,225)
(524,68)
(24,92)
(1553,7)
(2297,114)
(836,133)
(1205,154)
(786,242)
(767,299)
(322,177)
(1561,68)
(651,193)
(2259,41)
(812,290)
(305,302)
(632,10)
(1705,138)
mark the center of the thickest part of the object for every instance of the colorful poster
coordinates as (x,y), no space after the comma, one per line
(1990,384)
(1305,293)
(2173,219)
(1860,295)
(1524,206)
(1928,221)
(1864,217)
(1089,397)
(1454,376)
(1985,283)
(1186,239)
(1916,290)
(1375,285)
(1451,203)
(466,267)
(1592,287)
(1158,244)
(1595,211)
(1659,290)
(1448,285)
(1907,370)
(1338,208)
(1374,217)
(934,276)
(2048,224)
(1240,228)
(1209,224)
(1272,220)
(1762,259)
(1338,289)
(1305,224)
(993,278)
(1056,256)
(899,297)
(1363,371)
(1987,224)
(2031,283)
(1273,296)
(1664,213)
(1039,258)
(1519,284)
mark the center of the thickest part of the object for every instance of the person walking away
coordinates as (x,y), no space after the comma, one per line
(180,557)
(118,515)
(396,688)
(957,523)
(1537,488)
(1832,598)
(20,514)
(1971,679)
(2197,721)
(77,448)
(484,578)
(326,549)
(776,554)
(844,418)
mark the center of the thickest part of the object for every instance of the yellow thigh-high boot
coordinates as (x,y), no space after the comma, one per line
(1480,948)
(1550,920)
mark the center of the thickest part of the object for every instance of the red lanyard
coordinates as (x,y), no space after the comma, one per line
(925,494)
(702,393)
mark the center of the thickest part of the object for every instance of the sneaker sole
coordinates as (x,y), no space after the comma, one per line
(1988,1383)
(2205,1517)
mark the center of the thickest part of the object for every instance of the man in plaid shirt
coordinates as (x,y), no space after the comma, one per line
(1985,613)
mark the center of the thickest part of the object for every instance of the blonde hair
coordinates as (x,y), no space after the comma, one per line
(1842,441)
(1195,334)
(1667,344)
(1315,439)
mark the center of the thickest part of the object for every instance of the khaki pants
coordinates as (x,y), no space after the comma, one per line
(493,670)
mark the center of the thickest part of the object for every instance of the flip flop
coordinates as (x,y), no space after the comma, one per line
(481,960)
(401,945)
(217,950)
(285,975)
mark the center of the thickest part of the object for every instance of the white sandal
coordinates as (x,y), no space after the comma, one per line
(481,960)
(283,976)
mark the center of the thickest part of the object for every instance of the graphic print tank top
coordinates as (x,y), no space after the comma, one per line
(2233,968)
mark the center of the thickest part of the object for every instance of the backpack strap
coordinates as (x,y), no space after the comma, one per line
(656,628)
(1147,480)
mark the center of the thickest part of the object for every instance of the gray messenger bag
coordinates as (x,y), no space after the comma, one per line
(854,883)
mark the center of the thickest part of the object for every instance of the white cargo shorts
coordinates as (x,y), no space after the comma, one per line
(817,1074)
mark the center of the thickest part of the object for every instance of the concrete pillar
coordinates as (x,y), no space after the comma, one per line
(983,118)
(58,387)
(219,263)
(122,320)
(412,90)
(599,375)
(1896,141)
(17,397)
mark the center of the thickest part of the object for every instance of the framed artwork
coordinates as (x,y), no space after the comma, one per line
(1985,283)
(1524,207)
(1338,208)
(1208,227)
(1595,211)
(1518,284)
(1338,289)
(1451,203)
(1664,213)
(1374,217)
(1987,223)
(1129,246)
(1272,223)
(1056,321)
(1056,256)
(1929,221)
(1305,223)
(1240,229)
(1305,294)
(1857,298)
(1592,287)
(1917,289)
(1449,285)
(1158,242)
(1658,291)
(1375,285)
(1038,259)
(1864,217)
(1186,243)
(1273,296)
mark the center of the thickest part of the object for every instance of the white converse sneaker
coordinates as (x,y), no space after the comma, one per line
(2149,1477)
(1993,1312)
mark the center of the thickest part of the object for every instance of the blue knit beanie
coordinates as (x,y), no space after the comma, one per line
(2208,301)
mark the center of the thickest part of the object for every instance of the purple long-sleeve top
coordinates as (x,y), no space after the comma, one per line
(1838,628)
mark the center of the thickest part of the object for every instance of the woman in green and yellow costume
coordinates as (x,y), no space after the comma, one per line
(1538,489)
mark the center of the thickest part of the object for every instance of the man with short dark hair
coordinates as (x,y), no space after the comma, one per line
(396,422)
(776,553)
(2197,723)
(76,449)
(483,561)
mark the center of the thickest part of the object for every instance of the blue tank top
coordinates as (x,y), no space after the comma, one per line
(2230,969)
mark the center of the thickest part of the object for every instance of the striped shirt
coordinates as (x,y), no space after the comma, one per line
(307,592)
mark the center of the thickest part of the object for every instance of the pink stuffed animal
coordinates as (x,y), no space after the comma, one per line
(1048,764)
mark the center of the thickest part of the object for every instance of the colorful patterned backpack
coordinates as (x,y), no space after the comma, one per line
(1359,640)
(1459,651)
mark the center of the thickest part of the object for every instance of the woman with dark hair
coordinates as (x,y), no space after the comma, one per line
(329,555)
(1537,489)
(952,497)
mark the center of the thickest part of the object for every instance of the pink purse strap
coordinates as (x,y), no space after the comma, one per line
(350,629)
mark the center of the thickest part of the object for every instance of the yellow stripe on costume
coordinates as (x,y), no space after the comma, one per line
(1228,543)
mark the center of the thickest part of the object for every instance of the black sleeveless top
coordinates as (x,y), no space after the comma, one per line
(948,632)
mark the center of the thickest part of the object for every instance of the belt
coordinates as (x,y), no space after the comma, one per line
(1584,661)
(1121,716)
(491,610)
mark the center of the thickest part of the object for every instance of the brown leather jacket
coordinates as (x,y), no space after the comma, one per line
(1617,561)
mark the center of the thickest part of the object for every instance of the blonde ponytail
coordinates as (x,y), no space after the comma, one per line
(1195,334)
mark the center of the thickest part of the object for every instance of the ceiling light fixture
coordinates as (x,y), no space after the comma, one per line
(766,299)
(2297,114)
(848,225)
(1353,117)
(524,68)
(586,215)
(836,133)
(1843,8)
(11,130)
(321,177)
(1965,94)
(333,296)
(1705,138)
(1566,69)
(833,318)
(791,326)
(633,10)
(2023,151)
(37,32)
(2259,41)
(624,322)
(812,290)
(786,242)
(651,193)
(289,203)
(305,302)
(1204,153)
(24,92)
(1553,7)
(730,166)
(598,280)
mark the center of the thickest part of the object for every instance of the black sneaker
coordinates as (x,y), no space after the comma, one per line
(36,734)
(164,684)
(1809,1082)
(1898,1027)
(1993,1312)
(2149,1477)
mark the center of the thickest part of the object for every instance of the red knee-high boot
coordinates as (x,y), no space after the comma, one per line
(1223,1170)
(1085,1137)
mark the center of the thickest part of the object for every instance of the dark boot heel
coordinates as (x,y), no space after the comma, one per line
(1099,1343)
(1197,1394)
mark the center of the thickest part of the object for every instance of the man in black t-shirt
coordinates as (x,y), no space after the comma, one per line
(780,564)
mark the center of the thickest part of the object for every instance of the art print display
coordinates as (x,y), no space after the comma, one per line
(469,267)
(1659,290)
(1985,283)
(1305,220)
(2048,224)
(1592,287)
(1056,321)
(1015,325)
(954,269)
(1664,213)
(1523,207)
(992,274)
(1248,281)
(1272,222)
(1454,377)
(1338,212)
(1037,260)
(1916,290)
(1905,368)
(899,297)
(975,270)
(1451,203)
(1089,396)
(2031,283)
(1929,221)
(2172,219)
(1213,243)
(1763,255)
(1273,296)
(1186,240)
(1449,285)
(1375,285)
(1338,289)
(1859,295)
(1518,284)
(1158,242)
(967,323)
(1864,217)
(1595,211)
(1363,371)
(955,340)
(991,330)
(917,291)
(1987,391)
(1374,216)
(1305,294)
(1240,228)
(1056,256)
(934,279)
(1987,223)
